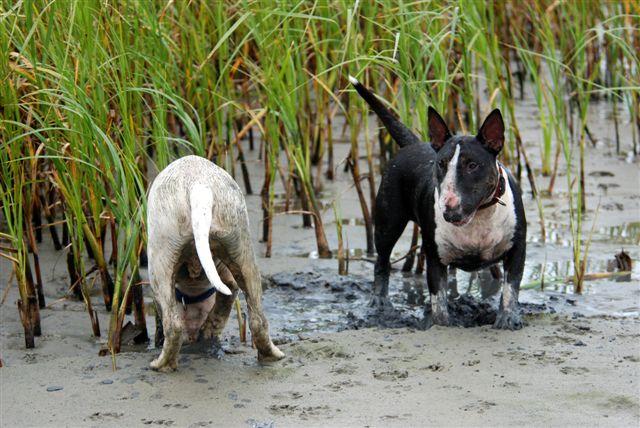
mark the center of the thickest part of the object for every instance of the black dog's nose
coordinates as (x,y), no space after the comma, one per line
(454,216)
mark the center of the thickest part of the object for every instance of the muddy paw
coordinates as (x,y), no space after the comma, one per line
(217,350)
(439,318)
(507,320)
(274,354)
(380,303)
(163,367)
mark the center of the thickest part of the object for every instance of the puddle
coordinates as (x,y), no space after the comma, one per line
(283,204)
(352,253)
(352,221)
(559,233)
(303,303)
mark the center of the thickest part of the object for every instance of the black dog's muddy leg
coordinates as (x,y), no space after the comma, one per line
(437,282)
(380,291)
(388,231)
(509,314)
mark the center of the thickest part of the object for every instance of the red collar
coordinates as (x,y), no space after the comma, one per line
(500,189)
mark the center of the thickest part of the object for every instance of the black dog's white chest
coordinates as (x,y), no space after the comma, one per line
(484,239)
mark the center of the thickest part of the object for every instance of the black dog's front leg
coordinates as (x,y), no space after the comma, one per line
(437,282)
(509,314)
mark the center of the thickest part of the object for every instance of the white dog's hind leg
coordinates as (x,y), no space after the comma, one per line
(201,200)
(247,276)
(163,288)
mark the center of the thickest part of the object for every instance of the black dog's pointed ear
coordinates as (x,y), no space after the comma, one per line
(491,133)
(438,131)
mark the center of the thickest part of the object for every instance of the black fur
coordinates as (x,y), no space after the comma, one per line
(402,135)
(407,192)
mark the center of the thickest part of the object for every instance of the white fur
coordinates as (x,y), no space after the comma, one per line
(449,184)
(439,304)
(507,293)
(489,233)
(353,80)
(201,200)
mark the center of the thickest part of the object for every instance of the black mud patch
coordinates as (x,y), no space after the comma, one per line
(347,285)
(464,311)
(341,302)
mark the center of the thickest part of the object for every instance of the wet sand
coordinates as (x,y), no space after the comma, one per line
(556,371)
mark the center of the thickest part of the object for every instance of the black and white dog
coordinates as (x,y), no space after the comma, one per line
(467,204)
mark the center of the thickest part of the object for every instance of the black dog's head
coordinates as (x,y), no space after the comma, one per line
(466,166)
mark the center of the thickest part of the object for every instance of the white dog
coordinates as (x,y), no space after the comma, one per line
(195,209)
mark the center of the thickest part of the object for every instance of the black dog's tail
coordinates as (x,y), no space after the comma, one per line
(402,135)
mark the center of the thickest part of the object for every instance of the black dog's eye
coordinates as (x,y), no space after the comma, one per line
(472,166)
(442,164)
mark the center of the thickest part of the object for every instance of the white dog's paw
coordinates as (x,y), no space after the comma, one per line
(163,366)
(274,354)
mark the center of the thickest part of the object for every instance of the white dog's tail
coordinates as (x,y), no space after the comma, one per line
(201,201)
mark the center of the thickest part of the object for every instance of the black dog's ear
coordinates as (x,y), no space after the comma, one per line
(438,131)
(491,133)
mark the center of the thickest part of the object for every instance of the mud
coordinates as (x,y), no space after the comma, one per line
(351,295)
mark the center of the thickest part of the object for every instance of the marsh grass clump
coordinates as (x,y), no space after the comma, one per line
(95,97)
